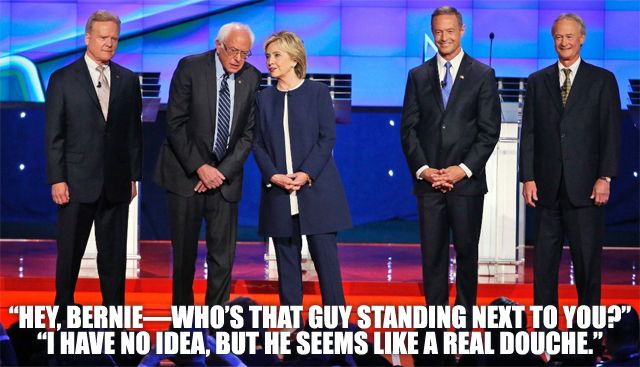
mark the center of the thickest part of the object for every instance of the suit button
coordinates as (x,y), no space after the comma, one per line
(563,135)
(443,127)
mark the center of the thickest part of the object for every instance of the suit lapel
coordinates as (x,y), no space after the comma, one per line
(552,81)
(435,81)
(116,83)
(238,99)
(579,86)
(211,84)
(458,85)
(82,72)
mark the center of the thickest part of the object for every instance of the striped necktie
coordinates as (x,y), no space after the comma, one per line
(103,91)
(224,117)
(446,84)
(566,87)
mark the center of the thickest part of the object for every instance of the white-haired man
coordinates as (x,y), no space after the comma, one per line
(210,120)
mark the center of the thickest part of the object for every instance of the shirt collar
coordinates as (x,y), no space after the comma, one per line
(220,69)
(574,67)
(455,62)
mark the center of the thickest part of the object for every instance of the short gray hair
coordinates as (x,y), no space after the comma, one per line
(102,16)
(571,16)
(224,31)
(447,10)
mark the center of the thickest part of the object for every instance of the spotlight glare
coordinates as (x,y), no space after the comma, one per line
(23,114)
(21,167)
(390,173)
(392,123)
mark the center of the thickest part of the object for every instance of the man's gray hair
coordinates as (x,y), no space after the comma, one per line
(101,16)
(224,31)
(571,16)
(447,10)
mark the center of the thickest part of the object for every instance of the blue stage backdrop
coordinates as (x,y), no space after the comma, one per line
(375,41)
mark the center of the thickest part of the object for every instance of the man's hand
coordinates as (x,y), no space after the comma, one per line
(60,193)
(134,191)
(210,176)
(200,187)
(600,192)
(299,179)
(283,182)
(434,176)
(530,193)
(452,174)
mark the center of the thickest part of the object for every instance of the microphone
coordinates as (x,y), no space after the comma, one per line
(99,84)
(443,83)
(491,37)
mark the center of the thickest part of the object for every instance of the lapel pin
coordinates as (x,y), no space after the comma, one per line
(461,77)
(239,81)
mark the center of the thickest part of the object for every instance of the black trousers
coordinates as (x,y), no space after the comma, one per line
(438,213)
(74,226)
(324,253)
(584,229)
(221,218)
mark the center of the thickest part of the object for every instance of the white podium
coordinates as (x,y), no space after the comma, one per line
(501,247)
(89,268)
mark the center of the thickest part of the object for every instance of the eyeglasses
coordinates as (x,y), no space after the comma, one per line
(233,52)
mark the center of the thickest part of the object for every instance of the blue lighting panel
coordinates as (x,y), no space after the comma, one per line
(622,5)
(160,13)
(622,35)
(576,5)
(317,26)
(184,39)
(165,64)
(593,47)
(323,64)
(516,32)
(511,4)
(132,61)
(373,31)
(510,67)
(5,27)
(377,81)
(623,70)
(55,21)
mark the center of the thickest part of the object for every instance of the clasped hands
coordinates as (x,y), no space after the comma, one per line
(291,182)
(210,178)
(443,179)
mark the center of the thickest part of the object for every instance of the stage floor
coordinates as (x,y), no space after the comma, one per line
(373,274)
(360,262)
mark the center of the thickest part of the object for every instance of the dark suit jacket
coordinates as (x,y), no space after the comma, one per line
(191,124)
(577,143)
(465,132)
(84,150)
(312,131)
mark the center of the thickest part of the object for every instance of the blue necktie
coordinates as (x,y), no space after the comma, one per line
(224,116)
(448,83)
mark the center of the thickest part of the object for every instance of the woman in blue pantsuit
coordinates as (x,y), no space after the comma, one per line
(301,193)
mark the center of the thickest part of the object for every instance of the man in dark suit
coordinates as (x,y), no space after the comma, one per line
(94,157)
(450,125)
(569,152)
(210,120)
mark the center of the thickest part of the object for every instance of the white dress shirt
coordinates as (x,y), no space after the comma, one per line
(442,70)
(95,74)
